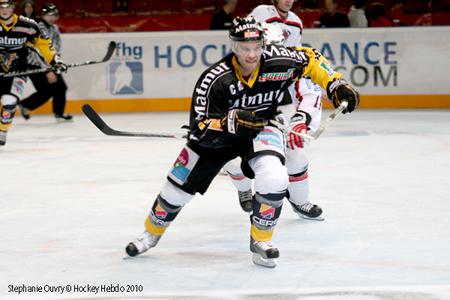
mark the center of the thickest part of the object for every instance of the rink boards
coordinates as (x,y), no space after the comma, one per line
(154,71)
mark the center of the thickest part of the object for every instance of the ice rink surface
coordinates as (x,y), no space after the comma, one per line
(72,198)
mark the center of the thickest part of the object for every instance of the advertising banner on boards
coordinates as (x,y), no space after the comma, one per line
(398,64)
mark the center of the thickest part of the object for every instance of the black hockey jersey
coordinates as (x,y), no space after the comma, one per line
(15,39)
(222,88)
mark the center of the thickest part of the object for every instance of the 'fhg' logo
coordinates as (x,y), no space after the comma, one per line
(126,71)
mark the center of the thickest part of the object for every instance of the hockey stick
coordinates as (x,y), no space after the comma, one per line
(95,118)
(325,124)
(109,53)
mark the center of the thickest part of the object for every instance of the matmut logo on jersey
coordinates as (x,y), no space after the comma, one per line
(7,41)
(126,70)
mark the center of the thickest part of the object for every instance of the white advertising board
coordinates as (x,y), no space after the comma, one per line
(151,65)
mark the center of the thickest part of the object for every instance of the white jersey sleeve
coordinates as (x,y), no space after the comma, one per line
(310,95)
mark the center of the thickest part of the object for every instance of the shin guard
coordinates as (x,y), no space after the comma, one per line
(161,215)
(266,211)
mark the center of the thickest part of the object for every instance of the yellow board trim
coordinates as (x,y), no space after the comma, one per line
(184,104)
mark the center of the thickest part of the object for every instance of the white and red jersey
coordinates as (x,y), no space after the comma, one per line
(292,26)
(305,94)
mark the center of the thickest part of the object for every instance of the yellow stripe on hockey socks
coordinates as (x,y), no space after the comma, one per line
(153,229)
(261,235)
(4,127)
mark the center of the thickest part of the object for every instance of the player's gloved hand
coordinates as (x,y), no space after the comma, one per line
(243,122)
(340,90)
(299,124)
(59,66)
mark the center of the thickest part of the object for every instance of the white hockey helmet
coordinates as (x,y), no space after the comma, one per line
(273,35)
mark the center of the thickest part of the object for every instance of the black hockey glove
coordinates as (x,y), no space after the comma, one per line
(58,66)
(340,90)
(243,122)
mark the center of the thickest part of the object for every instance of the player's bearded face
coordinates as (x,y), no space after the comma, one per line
(6,10)
(249,54)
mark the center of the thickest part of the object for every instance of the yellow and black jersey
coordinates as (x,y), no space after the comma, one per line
(14,40)
(222,87)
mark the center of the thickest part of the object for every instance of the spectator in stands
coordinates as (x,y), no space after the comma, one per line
(333,18)
(310,4)
(377,15)
(357,15)
(223,18)
(28,8)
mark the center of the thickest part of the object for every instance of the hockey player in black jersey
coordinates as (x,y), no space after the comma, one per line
(232,106)
(16,34)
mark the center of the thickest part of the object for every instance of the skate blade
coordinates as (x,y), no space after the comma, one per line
(319,218)
(264,262)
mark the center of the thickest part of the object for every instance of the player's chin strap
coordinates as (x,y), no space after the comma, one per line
(325,124)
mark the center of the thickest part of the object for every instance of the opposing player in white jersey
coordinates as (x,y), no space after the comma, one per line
(278,19)
(281,14)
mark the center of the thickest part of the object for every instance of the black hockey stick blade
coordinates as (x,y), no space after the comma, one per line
(95,118)
(108,55)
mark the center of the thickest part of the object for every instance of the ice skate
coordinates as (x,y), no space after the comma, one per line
(63,117)
(308,211)
(264,253)
(142,243)
(2,138)
(245,200)
(24,112)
